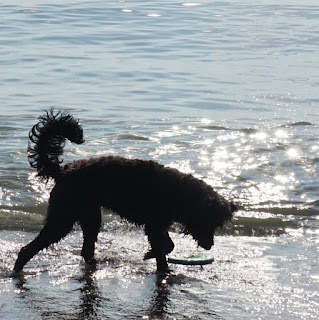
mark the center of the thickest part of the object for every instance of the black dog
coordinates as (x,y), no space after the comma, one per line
(143,192)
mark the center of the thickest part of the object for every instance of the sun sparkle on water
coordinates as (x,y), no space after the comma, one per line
(293,153)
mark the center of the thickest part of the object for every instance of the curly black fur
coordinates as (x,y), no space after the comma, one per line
(143,192)
(48,137)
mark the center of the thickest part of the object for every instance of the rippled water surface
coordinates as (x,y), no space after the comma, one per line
(225,90)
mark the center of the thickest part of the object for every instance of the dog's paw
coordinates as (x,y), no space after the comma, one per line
(15,274)
(162,274)
(149,255)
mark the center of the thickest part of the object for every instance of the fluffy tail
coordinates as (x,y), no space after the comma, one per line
(48,139)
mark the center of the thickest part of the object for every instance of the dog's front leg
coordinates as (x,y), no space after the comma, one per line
(90,224)
(168,247)
(157,241)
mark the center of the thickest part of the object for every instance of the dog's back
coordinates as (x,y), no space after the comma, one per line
(139,191)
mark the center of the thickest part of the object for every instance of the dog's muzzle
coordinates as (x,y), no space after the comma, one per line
(206,244)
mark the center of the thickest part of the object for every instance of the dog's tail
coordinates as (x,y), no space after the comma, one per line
(48,138)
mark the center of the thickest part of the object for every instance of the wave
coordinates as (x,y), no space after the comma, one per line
(20,220)
(214,128)
(294,211)
(300,123)
(296,124)
(264,222)
(258,227)
(133,137)
(252,131)
(249,130)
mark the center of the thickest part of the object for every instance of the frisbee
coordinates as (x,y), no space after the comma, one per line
(191,259)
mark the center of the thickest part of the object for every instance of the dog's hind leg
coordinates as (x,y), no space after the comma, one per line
(52,232)
(91,225)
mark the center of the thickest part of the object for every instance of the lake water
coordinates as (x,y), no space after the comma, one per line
(225,90)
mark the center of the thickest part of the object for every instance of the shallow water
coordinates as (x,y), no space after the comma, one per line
(252,277)
(226,91)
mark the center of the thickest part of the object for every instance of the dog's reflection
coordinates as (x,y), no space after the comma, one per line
(160,298)
(92,300)
(91,297)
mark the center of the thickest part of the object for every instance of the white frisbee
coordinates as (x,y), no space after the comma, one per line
(191,259)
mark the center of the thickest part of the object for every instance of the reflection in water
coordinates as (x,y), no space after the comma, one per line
(160,298)
(19,282)
(92,303)
(90,296)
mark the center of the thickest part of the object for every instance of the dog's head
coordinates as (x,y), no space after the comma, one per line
(203,234)
(214,214)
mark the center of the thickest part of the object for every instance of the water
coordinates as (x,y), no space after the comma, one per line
(224,90)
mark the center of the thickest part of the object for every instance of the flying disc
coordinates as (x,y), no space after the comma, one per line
(191,259)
